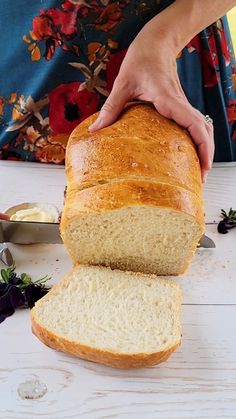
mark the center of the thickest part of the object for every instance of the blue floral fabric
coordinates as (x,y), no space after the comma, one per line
(59,60)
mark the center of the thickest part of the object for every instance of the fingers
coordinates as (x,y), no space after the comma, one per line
(204,141)
(4,216)
(201,132)
(113,106)
(201,151)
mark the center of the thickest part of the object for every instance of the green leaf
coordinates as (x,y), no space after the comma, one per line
(231,216)
(42,280)
(223,213)
(26,278)
(4,275)
(10,270)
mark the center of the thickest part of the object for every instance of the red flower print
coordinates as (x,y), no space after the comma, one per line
(224,42)
(56,27)
(69,106)
(210,77)
(212,47)
(51,153)
(234,79)
(53,22)
(231,111)
(81,6)
(59,26)
(60,139)
(43,27)
(113,67)
(209,58)
(109,17)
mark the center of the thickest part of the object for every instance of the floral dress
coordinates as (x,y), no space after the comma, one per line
(59,60)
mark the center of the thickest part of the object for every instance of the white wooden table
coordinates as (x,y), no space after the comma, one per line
(198,381)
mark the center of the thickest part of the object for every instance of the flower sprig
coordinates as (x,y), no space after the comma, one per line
(228,222)
(19,291)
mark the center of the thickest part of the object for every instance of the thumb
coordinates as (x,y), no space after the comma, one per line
(112,107)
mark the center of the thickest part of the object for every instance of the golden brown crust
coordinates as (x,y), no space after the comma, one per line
(141,143)
(95,354)
(113,196)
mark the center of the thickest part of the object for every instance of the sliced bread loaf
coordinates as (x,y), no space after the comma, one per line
(115,318)
(133,225)
(133,195)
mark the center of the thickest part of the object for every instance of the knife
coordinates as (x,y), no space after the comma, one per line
(26,232)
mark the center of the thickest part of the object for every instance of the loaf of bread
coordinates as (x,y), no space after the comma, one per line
(115,318)
(134,194)
(133,202)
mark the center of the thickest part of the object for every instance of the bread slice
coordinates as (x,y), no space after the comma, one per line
(135,225)
(115,318)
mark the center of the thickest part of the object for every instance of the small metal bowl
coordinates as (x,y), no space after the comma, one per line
(48,208)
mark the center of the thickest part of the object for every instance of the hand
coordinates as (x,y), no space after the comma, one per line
(149,73)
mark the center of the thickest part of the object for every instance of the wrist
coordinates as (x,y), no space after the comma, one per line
(164,32)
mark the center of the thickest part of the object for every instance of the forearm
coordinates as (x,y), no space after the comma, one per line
(184,19)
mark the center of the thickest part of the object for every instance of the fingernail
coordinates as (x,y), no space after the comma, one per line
(96,125)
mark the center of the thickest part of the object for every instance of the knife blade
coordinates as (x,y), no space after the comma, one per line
(206,242)
(5,255)
(26,232)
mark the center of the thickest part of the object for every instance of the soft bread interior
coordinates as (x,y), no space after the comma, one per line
(117,312)
(141,239)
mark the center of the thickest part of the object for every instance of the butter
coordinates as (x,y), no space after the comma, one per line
(32,214)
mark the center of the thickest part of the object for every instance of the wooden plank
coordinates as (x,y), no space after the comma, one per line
(29,182)
(220,192)
(198,381)
(209,280)
(41,259)
(224,164)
